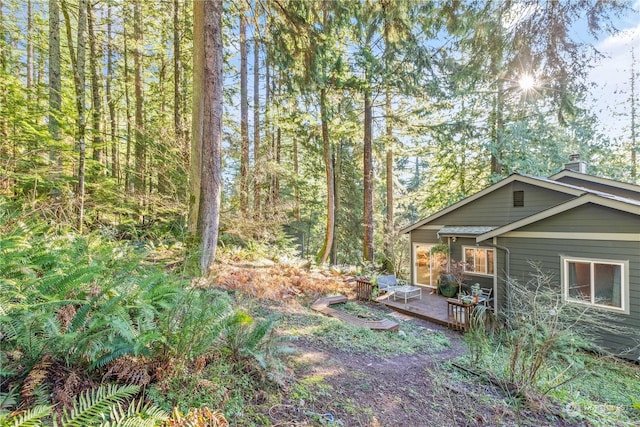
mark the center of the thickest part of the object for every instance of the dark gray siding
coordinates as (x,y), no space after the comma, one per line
(589,218)
(600,187)
(546,253)
(424,236)
(496,208)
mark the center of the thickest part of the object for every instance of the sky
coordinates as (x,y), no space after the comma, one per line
(610,97)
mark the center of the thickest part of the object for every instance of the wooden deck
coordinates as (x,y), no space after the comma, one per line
(431,307)
(322,306)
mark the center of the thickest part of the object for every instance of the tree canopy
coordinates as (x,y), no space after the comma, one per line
(364,115)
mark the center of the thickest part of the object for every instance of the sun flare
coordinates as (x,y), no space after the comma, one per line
(527,82)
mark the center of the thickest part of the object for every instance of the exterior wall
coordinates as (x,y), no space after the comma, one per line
(524,250)
(455,253)
(588,218)
(496,208)
(600,187)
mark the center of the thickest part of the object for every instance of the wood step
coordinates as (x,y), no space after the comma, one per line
(322,306)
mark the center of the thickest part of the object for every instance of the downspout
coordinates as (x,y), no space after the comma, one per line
(507,254)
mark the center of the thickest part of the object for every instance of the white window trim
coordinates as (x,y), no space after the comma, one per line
(624,282)
(475,248)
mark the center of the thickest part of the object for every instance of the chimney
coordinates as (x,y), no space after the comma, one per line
(575,164)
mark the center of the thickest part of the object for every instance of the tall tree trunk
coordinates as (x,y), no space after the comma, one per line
(497,131)
(4,131)
(296,177)
(256,120)
(140,146)
(96,112)
(244,118)
(177,89)
(207,119)
(497,123)
(634,143)
(276,174)
(368,179)
(29,49)
(267,134)
(389,234)
(197,121)
(55,85)
(128,179)
(337,173)
(111,103)
(327,156)
(389,229)
(78,66)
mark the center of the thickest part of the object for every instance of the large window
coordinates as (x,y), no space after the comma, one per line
(478,260)
(600,283)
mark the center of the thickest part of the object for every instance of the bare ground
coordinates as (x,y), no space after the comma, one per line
(404,390)
(345,388)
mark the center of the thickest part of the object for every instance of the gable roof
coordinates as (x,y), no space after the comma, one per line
(607,200)
(527,179)
(595,179)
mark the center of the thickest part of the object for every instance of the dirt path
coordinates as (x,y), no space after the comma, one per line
(404,390)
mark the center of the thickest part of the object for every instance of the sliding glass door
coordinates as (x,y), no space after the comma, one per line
(427,266)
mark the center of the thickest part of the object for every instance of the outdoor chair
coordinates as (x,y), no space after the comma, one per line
(486,294)
(388,283)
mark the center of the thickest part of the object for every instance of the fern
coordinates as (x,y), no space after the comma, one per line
(89,408)
(30,418)
(137,414)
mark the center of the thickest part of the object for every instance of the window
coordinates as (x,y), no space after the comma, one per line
(518,199)
(600,283)
(478,260)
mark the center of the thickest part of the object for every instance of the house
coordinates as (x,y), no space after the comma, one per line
(583,229)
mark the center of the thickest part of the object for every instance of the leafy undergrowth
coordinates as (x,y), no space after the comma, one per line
(281,282)
(604,393)
(587,388)
(77,312)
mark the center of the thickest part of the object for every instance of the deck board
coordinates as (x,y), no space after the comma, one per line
(429,307)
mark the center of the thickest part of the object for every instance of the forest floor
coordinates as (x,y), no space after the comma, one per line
(412,390)
(347,377)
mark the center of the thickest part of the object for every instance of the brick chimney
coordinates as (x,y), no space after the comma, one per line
(575,164)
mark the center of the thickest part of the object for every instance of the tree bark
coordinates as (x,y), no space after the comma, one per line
(256,121)
(29,50)
(337,172)
(96,112)
(244,118)
(78,66)
(55,85)
(634,142)
(128,179)
(368,179)
(326,150)
(111,104)
(389,234)
(177,87)
(140,146)
(207,119)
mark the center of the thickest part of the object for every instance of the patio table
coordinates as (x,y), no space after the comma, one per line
(407,292)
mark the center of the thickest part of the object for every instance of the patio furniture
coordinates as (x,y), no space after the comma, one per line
(485,297)
(388,284)
(407,292)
